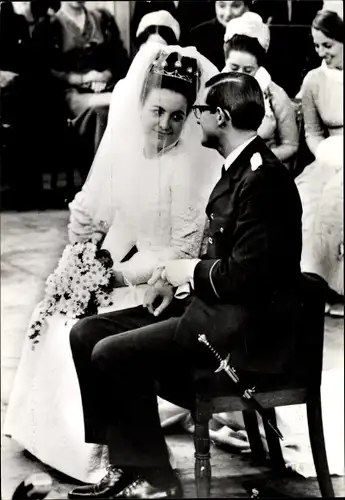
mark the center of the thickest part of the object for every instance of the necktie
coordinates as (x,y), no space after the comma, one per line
(223,171)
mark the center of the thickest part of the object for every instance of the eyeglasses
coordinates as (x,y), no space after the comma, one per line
(200,108)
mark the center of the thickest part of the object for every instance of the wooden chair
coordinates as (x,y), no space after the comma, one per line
(304,387)
(67,165)
(303,157)
(295,163)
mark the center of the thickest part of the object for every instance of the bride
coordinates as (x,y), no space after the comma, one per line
(146,194)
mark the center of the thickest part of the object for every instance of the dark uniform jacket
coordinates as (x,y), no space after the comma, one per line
(245,287)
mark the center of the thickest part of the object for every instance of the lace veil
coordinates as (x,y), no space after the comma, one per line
(123,140)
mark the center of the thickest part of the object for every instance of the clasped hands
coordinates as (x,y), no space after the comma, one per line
(164,278)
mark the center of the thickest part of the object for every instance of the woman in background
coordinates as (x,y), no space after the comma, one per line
(246,42)
(83,51)
(321,190)
(159,27)
(321,183)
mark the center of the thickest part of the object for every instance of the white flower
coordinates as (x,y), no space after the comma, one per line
(68,289)
(255,161)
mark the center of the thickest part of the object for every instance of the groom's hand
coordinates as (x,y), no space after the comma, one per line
(158,297)
(179,272)
(176,272)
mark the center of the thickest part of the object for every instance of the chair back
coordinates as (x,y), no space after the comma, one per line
(297,105)
(310,338)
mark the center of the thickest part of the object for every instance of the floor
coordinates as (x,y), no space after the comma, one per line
(31,244)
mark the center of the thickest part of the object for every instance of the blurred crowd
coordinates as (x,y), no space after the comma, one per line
(59,65)
(61,60)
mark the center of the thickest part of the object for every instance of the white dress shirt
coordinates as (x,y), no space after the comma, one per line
(229,160)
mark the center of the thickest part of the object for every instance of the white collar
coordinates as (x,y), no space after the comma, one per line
(334,74)
(229,160)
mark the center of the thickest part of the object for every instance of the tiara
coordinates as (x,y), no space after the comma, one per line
(177,69)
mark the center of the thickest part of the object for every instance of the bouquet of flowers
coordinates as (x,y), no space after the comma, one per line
(82,282)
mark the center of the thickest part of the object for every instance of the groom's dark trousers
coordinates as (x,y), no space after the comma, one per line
(245,300)
(120,374)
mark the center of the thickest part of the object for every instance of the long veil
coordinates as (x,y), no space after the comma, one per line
(123,139)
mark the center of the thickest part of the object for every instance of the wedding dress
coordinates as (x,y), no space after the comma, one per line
(156,204)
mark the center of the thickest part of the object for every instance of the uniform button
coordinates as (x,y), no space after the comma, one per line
(210,240)
(212,216)
(221,229)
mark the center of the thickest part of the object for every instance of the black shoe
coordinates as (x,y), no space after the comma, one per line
(113,482)
(140,488)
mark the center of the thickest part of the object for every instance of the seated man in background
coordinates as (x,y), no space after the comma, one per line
(83,52)
(27,119)
(208,37)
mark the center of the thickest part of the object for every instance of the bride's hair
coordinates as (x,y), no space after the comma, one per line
(173,72)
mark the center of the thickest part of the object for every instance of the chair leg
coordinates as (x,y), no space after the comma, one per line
(274,448)
(251,423)
(202,443)
(317,442)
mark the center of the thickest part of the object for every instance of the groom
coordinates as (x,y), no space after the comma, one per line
(241,294)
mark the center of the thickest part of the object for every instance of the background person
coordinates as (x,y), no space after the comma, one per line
(159,27)
(142,8)
(29,120)
(321,183)
(83,51)
(208,37)
(187,13)
(247,40)
(291,53)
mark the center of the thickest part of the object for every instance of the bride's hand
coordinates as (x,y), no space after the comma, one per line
(156,276)
(160,291)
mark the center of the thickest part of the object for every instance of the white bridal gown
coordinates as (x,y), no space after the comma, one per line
(163,214)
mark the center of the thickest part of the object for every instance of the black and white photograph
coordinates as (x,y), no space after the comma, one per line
(172,249)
